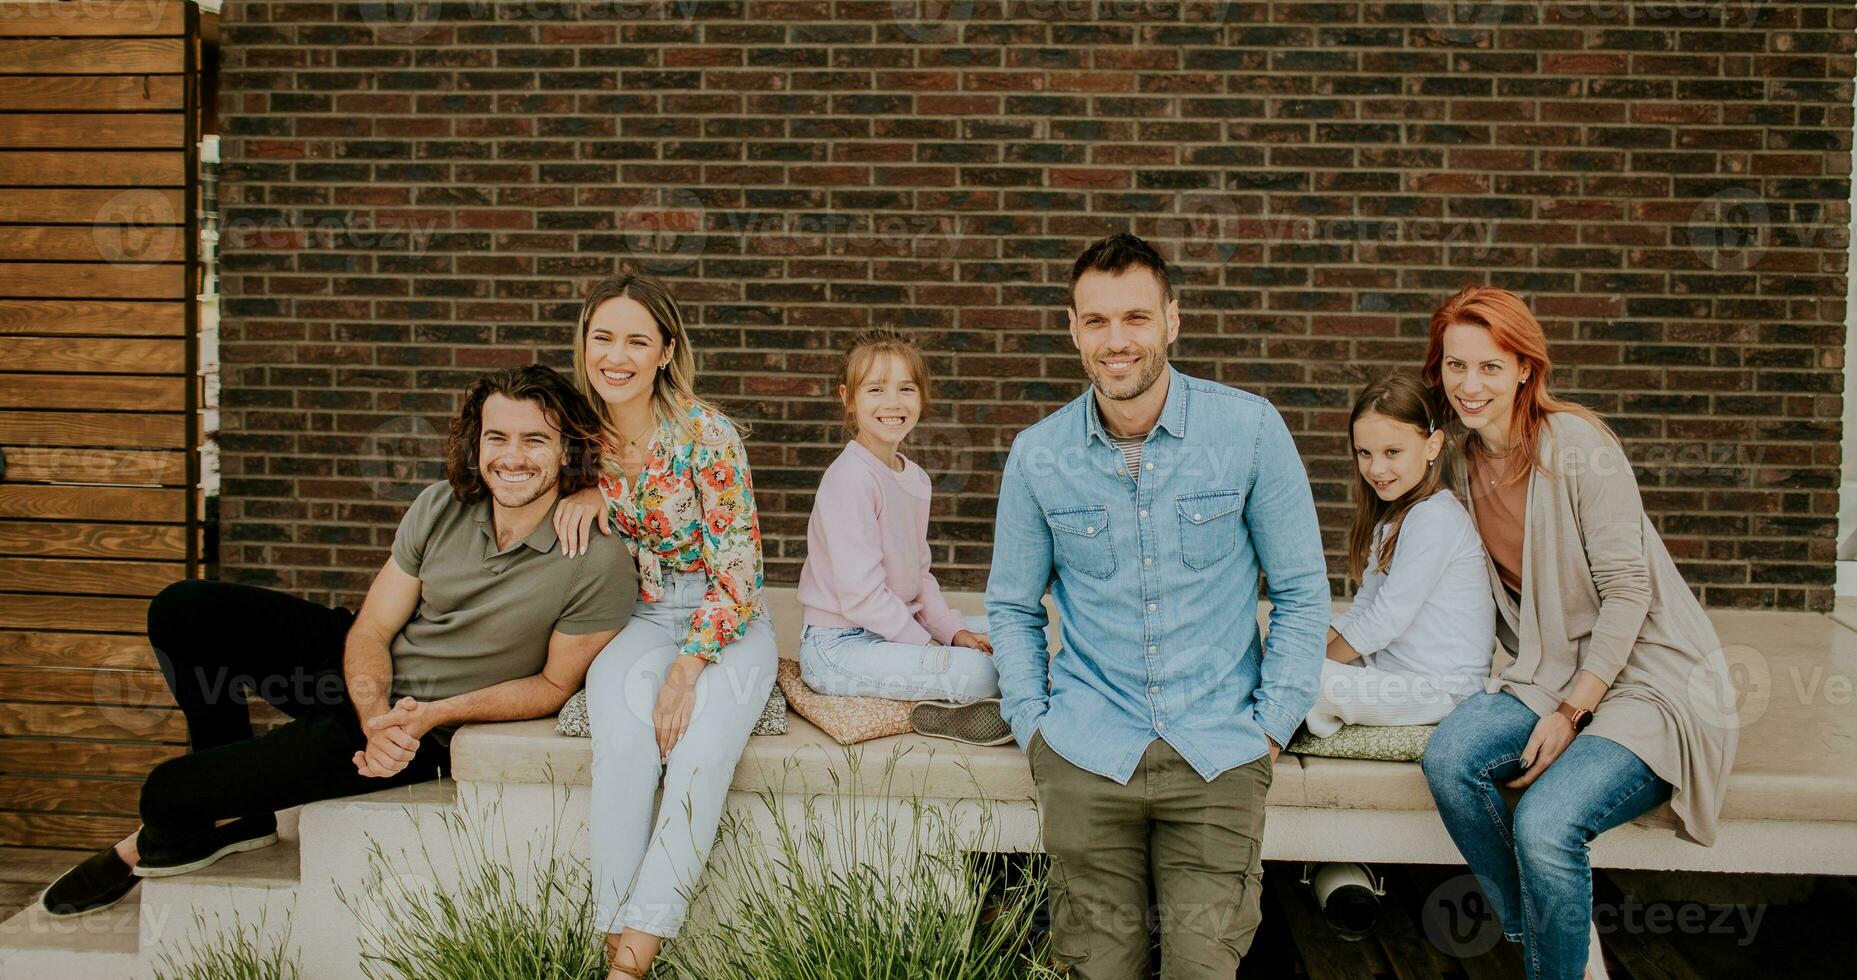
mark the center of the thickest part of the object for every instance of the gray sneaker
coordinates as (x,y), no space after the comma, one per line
(975,722)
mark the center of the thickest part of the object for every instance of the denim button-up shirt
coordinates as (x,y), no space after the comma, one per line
(1155,584)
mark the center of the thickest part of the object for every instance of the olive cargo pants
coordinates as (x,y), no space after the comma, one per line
(1199,843)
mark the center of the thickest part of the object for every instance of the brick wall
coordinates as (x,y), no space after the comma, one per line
(415,192)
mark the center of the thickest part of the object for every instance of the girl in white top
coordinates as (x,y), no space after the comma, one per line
(1421,631)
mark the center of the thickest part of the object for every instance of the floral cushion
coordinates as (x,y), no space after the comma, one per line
(849,720)
(573,720)
(1387,743)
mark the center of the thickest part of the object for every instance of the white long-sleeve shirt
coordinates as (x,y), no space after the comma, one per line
(1431,611)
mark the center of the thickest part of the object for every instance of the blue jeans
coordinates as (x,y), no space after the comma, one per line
(1533,863)
(854,662)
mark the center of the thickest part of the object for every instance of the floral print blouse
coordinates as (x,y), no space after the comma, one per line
(693,509)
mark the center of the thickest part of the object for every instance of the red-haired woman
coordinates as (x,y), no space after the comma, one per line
(1616,697)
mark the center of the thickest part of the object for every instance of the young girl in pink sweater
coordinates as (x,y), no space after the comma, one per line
(876,622)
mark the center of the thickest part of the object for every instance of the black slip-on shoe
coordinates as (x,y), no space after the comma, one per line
(102,880)
(975,722)
(244,834)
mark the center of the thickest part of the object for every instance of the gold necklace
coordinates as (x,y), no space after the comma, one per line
(1483,451)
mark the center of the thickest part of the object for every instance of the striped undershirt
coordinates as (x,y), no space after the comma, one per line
(1131,453)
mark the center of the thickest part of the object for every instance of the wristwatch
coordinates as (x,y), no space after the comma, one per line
(1580,717)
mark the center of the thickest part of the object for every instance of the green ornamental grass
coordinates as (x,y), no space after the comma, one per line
(848,887)
(239,951)
(486,927)
(855,893)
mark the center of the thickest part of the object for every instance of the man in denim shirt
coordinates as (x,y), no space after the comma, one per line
(1149,506)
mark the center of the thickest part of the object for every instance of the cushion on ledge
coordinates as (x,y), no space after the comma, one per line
(1387,743)
(848,720)
(573,720)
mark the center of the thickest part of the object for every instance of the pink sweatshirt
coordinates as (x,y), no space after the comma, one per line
(867,556)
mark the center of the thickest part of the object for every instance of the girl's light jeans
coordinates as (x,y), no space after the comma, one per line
(855,662)
(645,868)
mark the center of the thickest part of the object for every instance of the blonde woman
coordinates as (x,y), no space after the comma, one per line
(676,694)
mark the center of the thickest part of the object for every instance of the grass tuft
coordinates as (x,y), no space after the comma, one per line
(854,892)
(236,952)
(487,923)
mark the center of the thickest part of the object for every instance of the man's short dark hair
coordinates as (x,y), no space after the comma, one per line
(1114,255)
(561,404)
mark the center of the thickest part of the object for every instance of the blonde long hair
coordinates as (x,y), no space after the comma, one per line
(670,385)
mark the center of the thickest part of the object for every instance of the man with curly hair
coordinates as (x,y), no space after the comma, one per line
(471,619)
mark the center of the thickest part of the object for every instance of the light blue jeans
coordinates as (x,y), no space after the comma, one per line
(1533,863)
(645,869)
(854,662)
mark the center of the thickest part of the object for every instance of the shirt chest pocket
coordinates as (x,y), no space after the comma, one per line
(1080,540)
(1210,523)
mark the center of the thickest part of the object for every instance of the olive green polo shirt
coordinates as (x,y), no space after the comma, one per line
(484,615)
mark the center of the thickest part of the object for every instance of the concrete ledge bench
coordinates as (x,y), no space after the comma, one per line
(1791,806)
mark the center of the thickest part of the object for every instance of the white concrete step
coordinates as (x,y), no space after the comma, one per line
(337,837)
(100,946)
(256,890)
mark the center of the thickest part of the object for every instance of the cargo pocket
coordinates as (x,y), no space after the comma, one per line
(1070,937)
(1245,909)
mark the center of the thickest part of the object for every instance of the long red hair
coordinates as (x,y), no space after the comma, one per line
(1515,330)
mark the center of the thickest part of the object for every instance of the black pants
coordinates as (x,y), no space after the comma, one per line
(220,644)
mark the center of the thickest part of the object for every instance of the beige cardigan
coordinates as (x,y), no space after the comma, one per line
(1600,593)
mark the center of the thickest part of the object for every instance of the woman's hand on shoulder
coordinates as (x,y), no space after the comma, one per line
(574,518)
